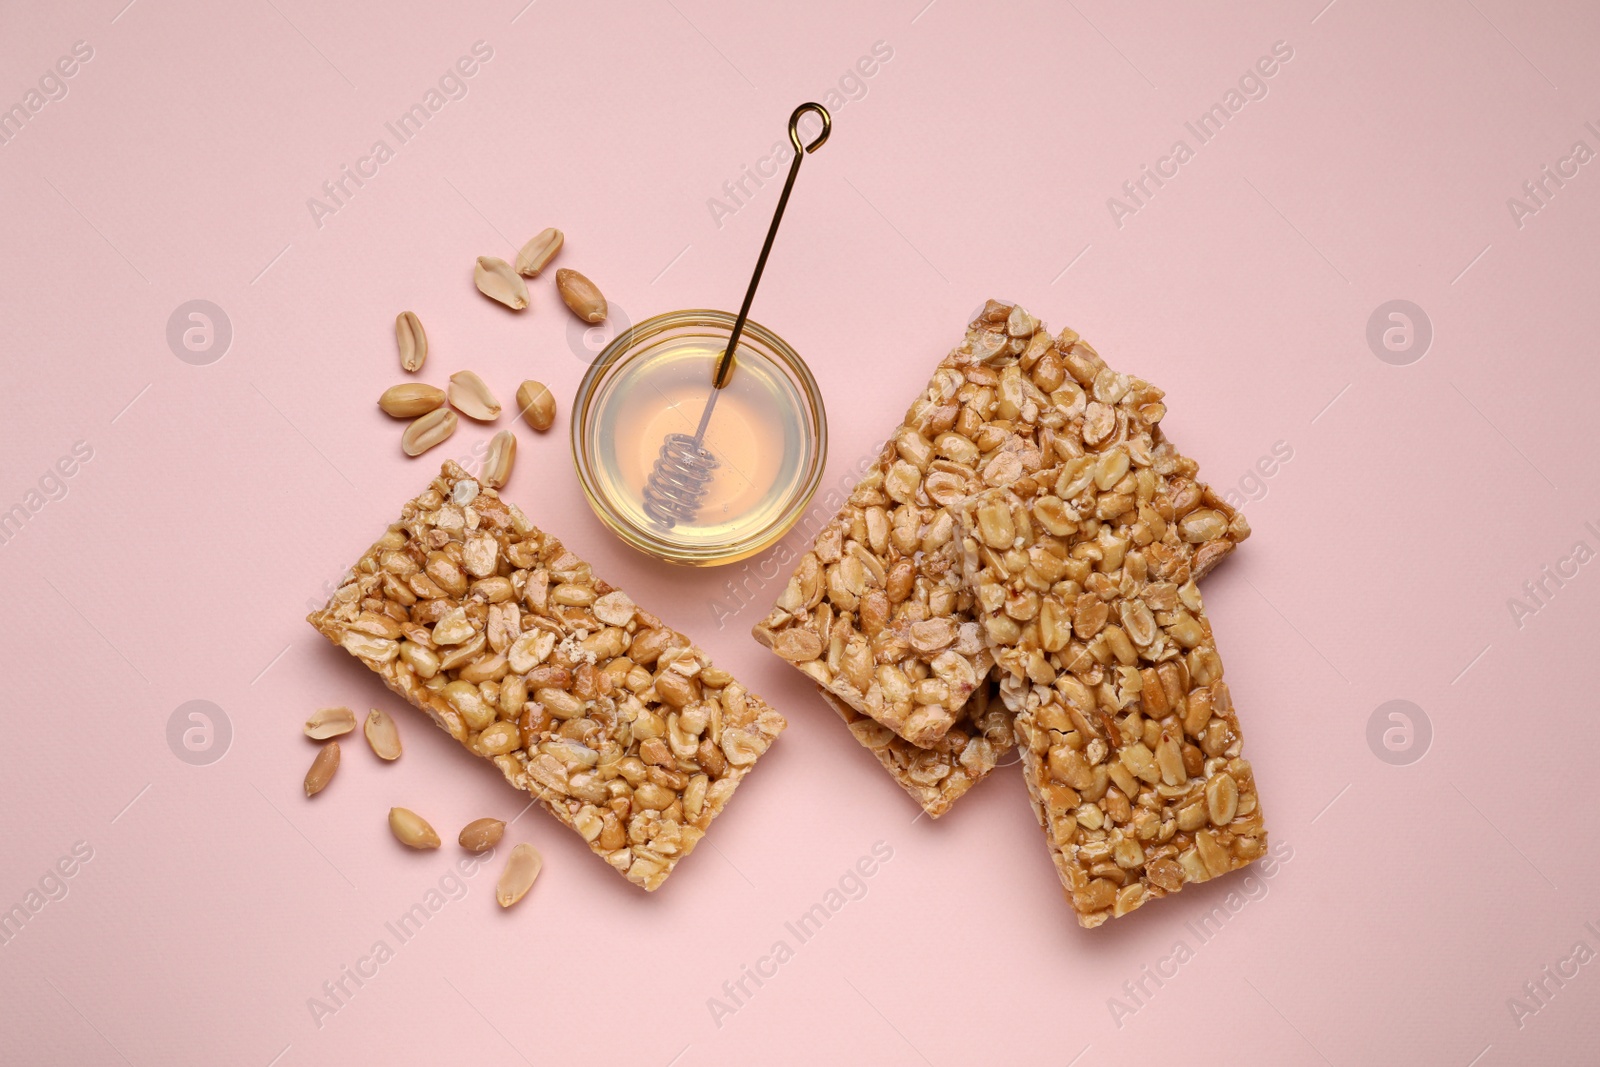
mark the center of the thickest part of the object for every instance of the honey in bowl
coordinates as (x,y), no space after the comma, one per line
(768,435)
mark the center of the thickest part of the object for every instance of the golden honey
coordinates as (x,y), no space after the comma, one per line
(767,434)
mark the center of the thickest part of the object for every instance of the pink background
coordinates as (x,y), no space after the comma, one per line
(221,499)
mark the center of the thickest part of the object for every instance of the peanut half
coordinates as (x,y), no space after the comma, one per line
(322,768)
(411,829)
(497,464)
(581,295)
(480,835)
(383,735)
(412,341)
(330,722)
(497,281)
(538,252)
(410,399)
(518,877)
(538,407)
(470,396)
(424,433)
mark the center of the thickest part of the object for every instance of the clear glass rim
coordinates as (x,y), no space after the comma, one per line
(629,343)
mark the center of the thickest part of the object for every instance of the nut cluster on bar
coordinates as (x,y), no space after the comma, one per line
(615,722)
(937,776)
(1021,563)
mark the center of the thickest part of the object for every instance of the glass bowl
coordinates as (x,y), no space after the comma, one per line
(768,434)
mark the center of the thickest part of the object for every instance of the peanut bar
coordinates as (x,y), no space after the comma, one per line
(1085,583)
(615,722)
(876,612)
